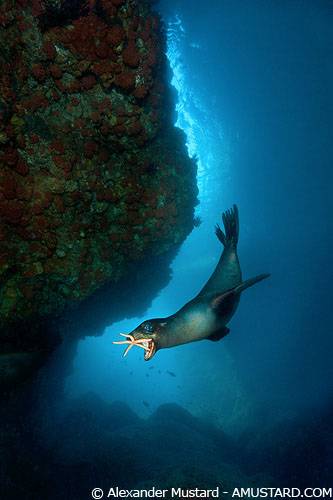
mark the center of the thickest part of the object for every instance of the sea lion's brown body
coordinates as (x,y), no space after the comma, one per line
(205,316)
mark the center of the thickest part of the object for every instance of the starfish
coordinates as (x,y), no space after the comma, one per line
(143,343)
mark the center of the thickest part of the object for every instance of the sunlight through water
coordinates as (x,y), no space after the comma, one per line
(204,134)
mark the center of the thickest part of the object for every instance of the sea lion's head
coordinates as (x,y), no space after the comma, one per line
(145,336)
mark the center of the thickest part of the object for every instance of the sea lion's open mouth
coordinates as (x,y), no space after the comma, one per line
(151,348)
(147,344)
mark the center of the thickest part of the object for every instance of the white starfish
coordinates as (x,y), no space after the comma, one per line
(131,341)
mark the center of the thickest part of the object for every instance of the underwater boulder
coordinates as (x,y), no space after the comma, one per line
(87,430)
(176,415)
(94,177)
(109,437)
(300,443)
(90,412)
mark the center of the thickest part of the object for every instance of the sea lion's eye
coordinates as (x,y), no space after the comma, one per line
(148,327)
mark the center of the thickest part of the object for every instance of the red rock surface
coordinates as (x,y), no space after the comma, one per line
(93,175)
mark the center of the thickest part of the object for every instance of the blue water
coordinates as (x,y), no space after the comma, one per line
(254,83)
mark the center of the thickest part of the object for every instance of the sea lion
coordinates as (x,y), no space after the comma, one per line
(205,316)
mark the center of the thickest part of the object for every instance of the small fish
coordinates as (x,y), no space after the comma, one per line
(172,374)
(151,367)
(159,371)
(145,404)
(147,374)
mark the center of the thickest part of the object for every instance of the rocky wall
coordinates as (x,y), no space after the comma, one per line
(94,177)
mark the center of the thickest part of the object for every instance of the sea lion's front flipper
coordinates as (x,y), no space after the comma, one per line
(223,303)
(219,335)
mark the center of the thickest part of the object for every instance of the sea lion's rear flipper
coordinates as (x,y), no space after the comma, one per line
(219,335)
(227,273)
(231,227)
(223,303)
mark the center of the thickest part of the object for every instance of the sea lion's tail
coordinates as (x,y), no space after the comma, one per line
(231,227)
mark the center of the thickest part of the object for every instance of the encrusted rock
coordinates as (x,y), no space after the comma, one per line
(87,152)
